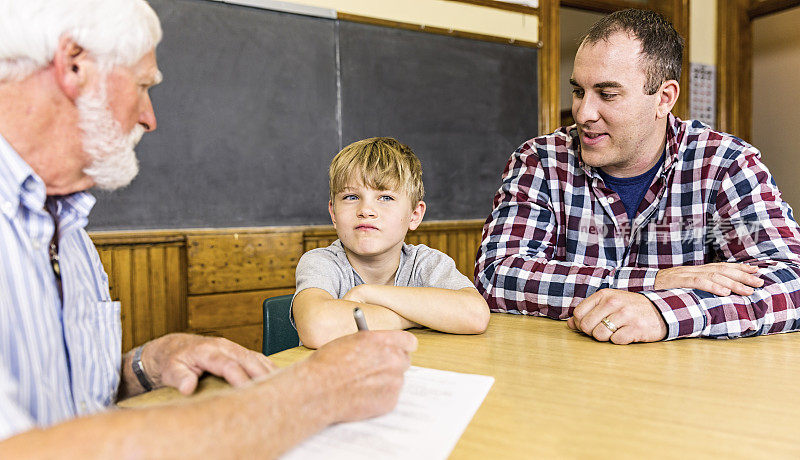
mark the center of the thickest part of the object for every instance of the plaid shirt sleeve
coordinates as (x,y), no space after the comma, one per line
(519,268)
(752,225)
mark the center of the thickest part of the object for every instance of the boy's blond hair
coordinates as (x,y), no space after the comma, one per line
(380,163)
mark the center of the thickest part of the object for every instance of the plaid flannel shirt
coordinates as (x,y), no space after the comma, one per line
(557,234)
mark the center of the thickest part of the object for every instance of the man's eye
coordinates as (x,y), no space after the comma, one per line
(607,96)
(577,92)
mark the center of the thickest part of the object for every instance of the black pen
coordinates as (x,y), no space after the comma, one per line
(361,322)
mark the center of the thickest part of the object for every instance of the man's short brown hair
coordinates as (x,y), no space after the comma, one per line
(662,46)
(380,163)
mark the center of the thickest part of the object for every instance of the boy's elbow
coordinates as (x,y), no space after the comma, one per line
(311,334)
(479,319)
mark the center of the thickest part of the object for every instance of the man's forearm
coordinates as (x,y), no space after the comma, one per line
(772,308)
(539,277)
(263,420)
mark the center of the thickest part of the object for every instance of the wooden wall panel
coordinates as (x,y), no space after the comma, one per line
(229,309)
(240,262)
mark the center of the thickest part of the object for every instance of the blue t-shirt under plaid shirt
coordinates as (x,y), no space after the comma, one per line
(631,190)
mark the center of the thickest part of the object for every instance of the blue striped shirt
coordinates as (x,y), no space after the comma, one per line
(57,361)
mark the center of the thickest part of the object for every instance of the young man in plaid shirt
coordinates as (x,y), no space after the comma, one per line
(636,226)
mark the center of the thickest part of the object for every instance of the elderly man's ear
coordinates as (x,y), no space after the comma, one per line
(72,67)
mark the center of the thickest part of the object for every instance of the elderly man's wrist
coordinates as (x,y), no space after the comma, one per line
(139,370)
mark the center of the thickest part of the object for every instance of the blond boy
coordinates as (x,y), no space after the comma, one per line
(375,199)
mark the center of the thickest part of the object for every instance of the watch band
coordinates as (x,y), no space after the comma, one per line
(138,369)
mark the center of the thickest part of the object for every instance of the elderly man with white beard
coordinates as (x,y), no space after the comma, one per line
(74,81)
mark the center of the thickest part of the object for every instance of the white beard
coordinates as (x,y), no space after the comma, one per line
(113,161)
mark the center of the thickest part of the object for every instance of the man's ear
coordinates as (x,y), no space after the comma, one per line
(71,67)
(668,94)
(330,211)
(416,215)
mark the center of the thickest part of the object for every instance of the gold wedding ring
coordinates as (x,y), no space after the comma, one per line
(611,326)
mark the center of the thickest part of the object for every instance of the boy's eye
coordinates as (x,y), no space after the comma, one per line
(386,198)
(349,197)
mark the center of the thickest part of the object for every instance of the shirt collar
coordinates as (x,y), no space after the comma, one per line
(19,184)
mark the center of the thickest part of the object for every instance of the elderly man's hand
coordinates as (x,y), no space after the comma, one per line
(178,360)
(362,373)
(630,317)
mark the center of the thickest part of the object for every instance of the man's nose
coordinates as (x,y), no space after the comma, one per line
(584,110)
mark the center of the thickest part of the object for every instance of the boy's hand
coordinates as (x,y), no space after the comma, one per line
(355,294)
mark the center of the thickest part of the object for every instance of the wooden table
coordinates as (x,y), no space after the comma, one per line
(560,394)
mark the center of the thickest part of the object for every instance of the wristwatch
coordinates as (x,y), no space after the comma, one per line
(138,369)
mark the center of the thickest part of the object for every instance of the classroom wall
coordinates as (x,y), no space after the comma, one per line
(776,98)
(703,32)
(443,14)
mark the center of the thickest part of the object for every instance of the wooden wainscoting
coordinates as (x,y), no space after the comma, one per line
(214,281)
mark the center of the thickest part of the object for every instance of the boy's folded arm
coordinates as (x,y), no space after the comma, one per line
(462,311)
(320,318)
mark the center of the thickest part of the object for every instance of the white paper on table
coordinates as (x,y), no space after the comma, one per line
(433,410)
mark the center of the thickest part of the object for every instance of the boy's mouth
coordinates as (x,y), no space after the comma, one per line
(366,227)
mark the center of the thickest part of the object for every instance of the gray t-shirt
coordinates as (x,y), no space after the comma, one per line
(420,266)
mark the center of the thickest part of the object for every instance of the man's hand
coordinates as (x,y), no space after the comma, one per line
(634,316)
(721,278)
(363,372)
(178,360)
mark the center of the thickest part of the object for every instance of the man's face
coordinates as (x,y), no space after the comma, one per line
(113,116)
(617,122)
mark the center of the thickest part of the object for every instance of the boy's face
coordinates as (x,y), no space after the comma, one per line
(373,222)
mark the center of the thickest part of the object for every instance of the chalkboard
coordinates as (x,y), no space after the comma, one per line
(255,103)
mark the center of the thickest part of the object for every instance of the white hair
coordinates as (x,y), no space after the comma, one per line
(115,32)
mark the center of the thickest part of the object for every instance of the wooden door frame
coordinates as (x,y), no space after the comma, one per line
(735,61)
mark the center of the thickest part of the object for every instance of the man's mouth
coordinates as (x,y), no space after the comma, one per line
(592,138)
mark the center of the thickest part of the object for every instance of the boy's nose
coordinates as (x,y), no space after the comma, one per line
(366,211)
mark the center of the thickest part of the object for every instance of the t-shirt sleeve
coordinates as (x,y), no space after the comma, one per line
(316,269)
(436,269)
(13,418)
